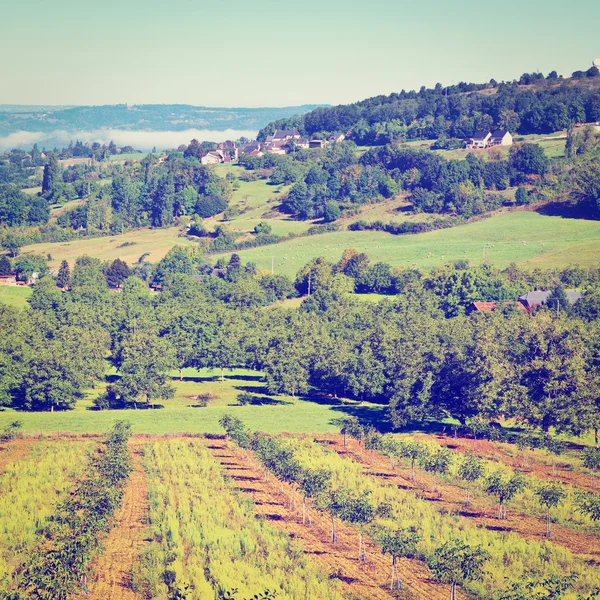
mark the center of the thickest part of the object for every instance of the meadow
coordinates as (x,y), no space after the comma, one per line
(15,295)
(526,238)
(181,414)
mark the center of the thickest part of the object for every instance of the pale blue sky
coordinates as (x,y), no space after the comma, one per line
(278,52)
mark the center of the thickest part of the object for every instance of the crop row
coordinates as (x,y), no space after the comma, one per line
(30,489)
(510,558)
(559,502)
(422,530)
(57,567)
(207,540)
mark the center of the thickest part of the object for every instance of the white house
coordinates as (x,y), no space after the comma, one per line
(480,139)
(501,137)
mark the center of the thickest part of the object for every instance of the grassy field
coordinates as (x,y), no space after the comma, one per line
(157,242)
(275,414)
(526,238)
(14,295)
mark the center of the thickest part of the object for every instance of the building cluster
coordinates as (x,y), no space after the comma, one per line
(489,139)
(226,152)
(527,303)
(284,140)
(281,142)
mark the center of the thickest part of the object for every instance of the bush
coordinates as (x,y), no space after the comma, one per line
(245,398)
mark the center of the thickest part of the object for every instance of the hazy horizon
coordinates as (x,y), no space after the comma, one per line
(142,140)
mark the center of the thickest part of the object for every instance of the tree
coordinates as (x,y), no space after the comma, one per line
(117,273)
(359,511)
(558,301)
(313,483)
(51,175)
(437,462)
(550,495)
(346,424)
(144,361)
(522,196)
(413,451)
(10,431)
(529,159)
(262,228)
(332,212)
(591,460)
(64,275)
(454,562)
(5,266)
(505,488)
(588,503)
(471,469)
(400,543)
(13,243)
(61,367)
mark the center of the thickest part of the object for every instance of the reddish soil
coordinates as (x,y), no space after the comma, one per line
(368,580)
(510,455)
(12,451)
(481,511)
(112,570)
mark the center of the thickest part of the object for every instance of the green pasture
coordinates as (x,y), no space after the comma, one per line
(14,295)
(272,414)
(523,237)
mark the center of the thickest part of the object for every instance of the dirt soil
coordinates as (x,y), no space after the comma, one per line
(12,451)
(481,511)
(368,580)
(511,456)
(111,571)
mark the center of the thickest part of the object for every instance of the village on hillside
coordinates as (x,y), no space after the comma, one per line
(284,141)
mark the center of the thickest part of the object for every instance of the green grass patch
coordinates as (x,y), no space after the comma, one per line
(272,414)
(15,295)
(523,237)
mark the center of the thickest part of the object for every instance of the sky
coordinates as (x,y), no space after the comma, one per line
(279,52)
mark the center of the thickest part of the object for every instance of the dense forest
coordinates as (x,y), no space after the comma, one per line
(533,104)
(421,353)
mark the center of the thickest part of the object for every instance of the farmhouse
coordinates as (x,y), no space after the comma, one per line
(284,135)
(229,150)
(336,137)
(532,300)
(480,139)
(253,148)
(487,139)
(486,307)
(8,280)
(213,158)
(501,137)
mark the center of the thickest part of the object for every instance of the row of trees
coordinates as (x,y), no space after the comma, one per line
(451,562)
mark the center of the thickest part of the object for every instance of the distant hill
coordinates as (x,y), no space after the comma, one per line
(143,117)
(531,104)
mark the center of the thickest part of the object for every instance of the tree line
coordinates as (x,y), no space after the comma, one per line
(420,353)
